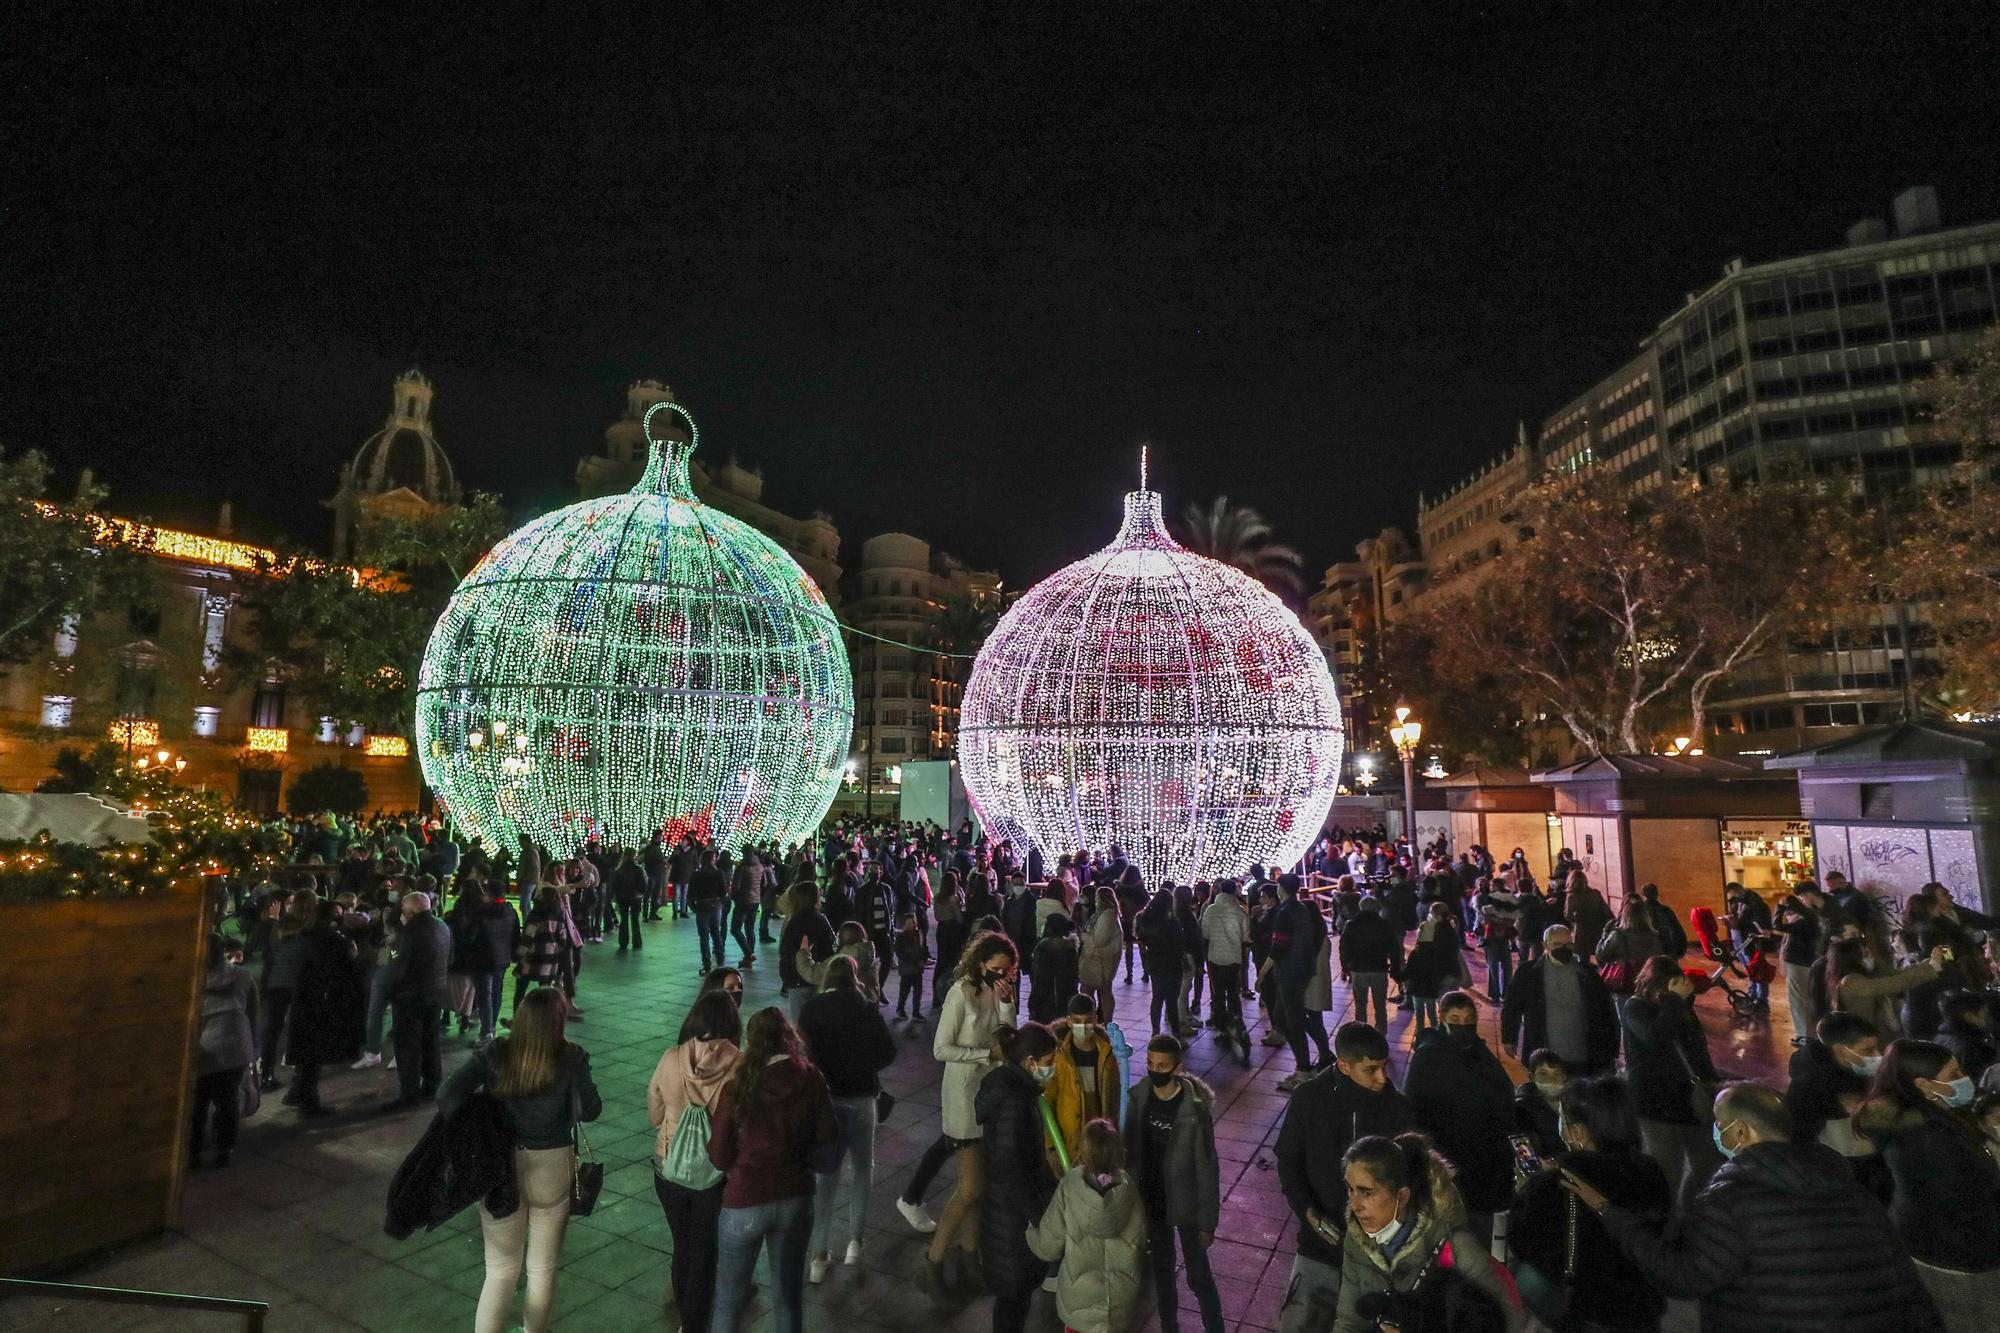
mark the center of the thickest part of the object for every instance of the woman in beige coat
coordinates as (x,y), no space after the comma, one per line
(1096,1228)
(1097,968)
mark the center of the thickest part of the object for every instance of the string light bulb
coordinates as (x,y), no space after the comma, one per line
(653,666)
(1153,699)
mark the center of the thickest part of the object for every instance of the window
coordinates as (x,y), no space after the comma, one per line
(138,679)
(891,745)
(267,705)
(1878,800)
(257,790)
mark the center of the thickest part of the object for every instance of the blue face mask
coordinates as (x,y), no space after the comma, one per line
(1715,1131)
(1961,1092)
(1867,1065)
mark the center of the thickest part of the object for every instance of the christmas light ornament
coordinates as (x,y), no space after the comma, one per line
(634,665)
(1154,699)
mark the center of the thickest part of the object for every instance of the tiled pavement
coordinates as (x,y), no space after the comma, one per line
(297,1219)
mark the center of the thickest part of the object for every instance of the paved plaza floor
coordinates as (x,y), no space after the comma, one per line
(296,1220)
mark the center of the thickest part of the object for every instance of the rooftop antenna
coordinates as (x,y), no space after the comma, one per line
(1142,467)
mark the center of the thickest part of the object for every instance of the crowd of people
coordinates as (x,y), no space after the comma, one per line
(1625,1170)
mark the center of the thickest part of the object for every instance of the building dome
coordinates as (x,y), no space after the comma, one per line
(1158,700)
(404,454)
(632,665)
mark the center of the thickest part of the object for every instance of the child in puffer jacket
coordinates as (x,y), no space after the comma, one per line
(1096,1226)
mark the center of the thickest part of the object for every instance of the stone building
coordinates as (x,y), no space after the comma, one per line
(1355,601)
(398,472)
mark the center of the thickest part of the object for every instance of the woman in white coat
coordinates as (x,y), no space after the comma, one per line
(976,1007)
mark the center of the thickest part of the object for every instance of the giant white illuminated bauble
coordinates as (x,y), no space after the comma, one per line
(1155,699)
(635,665)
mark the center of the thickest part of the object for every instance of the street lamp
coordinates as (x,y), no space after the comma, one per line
(1406,735)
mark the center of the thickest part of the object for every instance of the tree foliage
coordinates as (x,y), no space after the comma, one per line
(1950,559)
(1623,611)
(327,787)
(349,645)
(1238,535)
(50,564)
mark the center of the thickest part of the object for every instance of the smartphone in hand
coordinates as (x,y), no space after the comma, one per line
(1524,1155)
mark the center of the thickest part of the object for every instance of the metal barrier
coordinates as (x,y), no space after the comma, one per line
(253,1312)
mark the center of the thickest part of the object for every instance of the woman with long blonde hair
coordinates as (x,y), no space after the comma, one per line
(544,1087)
(1097,969)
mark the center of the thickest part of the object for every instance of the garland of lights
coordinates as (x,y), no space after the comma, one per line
(635,665)
(1158,700)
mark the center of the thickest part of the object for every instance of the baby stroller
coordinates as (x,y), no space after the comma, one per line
(1720,950)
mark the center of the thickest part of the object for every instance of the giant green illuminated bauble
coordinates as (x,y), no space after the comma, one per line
(636,665)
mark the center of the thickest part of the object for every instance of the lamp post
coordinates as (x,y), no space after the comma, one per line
(1406,735)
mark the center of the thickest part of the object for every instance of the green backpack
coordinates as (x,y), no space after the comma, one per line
(686,1163)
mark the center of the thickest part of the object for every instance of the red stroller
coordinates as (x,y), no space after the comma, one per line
(1720,950)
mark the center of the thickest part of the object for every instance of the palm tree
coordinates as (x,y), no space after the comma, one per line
(1240,536)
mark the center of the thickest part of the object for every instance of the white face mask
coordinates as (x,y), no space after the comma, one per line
(1080,1031)
(1382,1237)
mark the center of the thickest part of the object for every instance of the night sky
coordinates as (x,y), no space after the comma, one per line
(939,271)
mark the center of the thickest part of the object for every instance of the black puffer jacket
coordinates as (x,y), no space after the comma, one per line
(1783,1240)
(1322,1121)
(1610,1291)
(1019,1184)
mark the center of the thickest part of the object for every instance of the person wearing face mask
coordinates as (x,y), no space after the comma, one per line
(1019,1178)
(1465,1102)
(1554,1243)
(1535,1111)
(1782,1240)
(975,1008)
(1831,1075)
(1946,1204)
(1858,983)
(1085,1085)
(1561,1003)
(1409,1255)
(1170,1138)
(1351,1101)
(1667,1060)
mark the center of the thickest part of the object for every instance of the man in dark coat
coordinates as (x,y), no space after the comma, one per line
(1326,1115)
(1559,1002)
(1783,1239)
(418,993)
(1465,1102)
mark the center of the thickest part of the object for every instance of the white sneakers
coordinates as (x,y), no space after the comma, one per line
(816,1268)
(917,1216)
(366,1061)
(853,1254)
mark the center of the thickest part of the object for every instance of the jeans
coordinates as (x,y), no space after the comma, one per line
(1312,1297)
(1225,995)
(1160,1236)
(1375,984)
(222,1090)
(277,1008)
(630,914)
(1798,997)
(708,925)
(656,891)
(486,991)
(1499,970)
(857,1167)
(932,1162)
(692,1217)
(1427,1011)
(743,928)
(910,991)
(1192,976)
(1167,996)
(530,1237)
(419,1045)
(1285,1002)
(785,1226)
(378,1011)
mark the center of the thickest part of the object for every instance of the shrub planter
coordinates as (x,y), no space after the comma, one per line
(95,1107)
